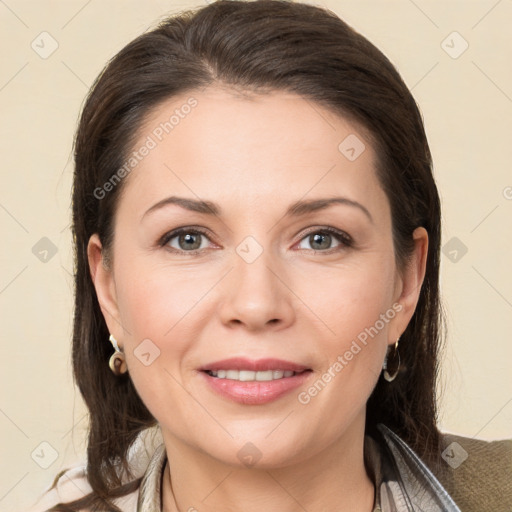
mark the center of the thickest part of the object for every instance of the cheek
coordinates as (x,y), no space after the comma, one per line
(353,306)
(155,301)
(356,310)
(156,306)
(349,300)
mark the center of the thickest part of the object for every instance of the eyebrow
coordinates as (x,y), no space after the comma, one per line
(294,210)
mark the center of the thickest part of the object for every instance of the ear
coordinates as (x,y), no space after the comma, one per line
(409,284)
(104,283)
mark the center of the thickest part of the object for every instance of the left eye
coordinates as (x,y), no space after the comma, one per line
(321,240)
(187,240)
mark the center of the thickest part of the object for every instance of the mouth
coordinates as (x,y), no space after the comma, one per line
(254,382)
(249,376)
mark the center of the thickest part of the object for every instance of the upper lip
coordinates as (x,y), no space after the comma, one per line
(242,363)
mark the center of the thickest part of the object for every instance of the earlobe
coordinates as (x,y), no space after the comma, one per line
(103,280)
(412,279)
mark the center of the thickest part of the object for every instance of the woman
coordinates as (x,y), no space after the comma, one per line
(257,315)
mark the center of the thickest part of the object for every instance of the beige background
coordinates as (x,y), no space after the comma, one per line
(467,106)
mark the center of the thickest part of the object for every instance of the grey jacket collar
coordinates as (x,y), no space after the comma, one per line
(403,482)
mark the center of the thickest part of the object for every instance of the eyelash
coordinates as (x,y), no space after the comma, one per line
(344,239)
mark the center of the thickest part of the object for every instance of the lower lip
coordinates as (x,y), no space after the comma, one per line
(256,392)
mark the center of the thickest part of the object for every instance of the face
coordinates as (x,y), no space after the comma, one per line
(266,268)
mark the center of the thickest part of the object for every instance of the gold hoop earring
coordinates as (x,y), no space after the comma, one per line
(117,362)
(394,366)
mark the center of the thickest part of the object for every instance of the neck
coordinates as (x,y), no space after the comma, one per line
(334,478)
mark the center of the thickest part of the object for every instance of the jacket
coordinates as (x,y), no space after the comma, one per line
(477,476)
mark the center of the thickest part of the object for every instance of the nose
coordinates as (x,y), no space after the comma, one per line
(255,295)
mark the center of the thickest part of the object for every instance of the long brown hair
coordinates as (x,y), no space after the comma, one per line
(257,46)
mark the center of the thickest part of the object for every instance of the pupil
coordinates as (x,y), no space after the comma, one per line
(189,241)
(317,238)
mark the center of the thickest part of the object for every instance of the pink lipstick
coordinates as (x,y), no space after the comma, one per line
(254,382)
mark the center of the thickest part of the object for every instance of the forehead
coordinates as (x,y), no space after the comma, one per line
(251,147)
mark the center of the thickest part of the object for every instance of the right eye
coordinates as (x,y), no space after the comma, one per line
(184,240)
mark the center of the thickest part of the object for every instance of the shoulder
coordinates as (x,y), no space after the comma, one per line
(71,484)
(477,473)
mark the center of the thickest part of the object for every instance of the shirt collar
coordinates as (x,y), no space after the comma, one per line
(150,490)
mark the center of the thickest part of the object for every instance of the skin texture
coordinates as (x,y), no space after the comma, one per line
(298,300)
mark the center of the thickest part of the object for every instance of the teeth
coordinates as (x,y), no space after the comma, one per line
(247,375)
